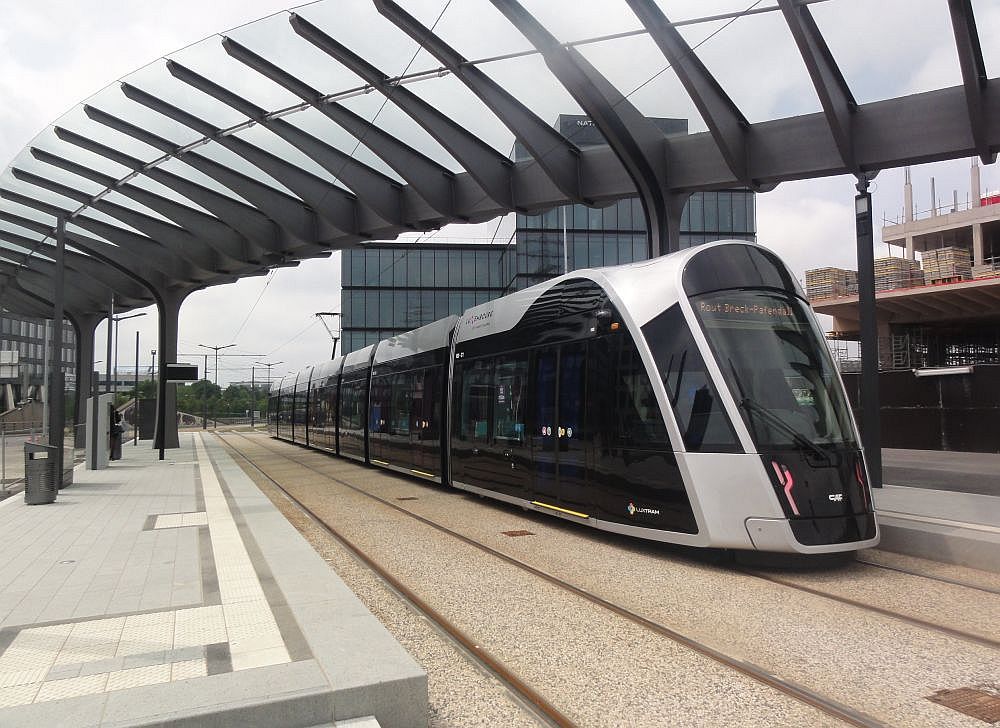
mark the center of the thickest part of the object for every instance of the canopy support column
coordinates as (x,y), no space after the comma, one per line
(871,433)
(168,304)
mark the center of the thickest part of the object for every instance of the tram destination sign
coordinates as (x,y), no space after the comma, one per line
(744,311)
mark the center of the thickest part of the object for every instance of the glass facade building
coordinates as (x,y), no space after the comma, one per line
(389,288)
(26,336)
(576,236)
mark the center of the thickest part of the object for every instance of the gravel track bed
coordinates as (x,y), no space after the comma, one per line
(838,650)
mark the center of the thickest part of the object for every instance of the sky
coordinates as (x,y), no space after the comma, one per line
(56,53)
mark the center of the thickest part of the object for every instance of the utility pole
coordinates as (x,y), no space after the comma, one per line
(252,391)
(117,319)
(334,336)
(216,349)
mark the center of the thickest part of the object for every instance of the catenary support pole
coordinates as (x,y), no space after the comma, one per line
(870,421)
(135,400)
(57,407)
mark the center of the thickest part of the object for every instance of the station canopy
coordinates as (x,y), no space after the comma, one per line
(337,123)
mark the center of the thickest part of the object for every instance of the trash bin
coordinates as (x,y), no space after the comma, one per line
(40,464)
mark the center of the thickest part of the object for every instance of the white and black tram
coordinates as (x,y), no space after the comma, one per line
(689,399)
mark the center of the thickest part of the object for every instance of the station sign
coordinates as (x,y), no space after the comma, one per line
(182,373)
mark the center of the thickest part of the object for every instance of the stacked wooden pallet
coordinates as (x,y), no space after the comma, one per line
(945,264)
(831,282)
(893,273)
(989,269)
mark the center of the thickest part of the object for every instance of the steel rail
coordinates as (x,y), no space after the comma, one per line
(915,621)
(942,579)
(755,672)
(525,694)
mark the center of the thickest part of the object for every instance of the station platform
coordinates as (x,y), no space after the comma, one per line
(943,506)
(173,593)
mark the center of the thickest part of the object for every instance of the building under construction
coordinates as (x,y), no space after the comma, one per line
(938,314)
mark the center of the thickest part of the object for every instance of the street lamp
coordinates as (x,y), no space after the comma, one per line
(253,389)
(116,319)
(204,399)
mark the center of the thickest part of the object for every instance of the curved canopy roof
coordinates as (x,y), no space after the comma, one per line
(313,130)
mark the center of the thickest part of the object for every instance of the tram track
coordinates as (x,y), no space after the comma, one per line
(942,579)
(915,621)
(551,714)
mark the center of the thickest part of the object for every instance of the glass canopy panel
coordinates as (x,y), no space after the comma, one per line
(744,65)
(529,80)
(112,101)
(267,140)
(223,156)
(987,20)
(150,185)
(393,121)
(274,39)
(10,182)
(130,204)
(646,81)
(158,81)
(474,28)
(26,212)
(176,166)
(73,229)
(891,48)
(209,59)
(582,20)
(318,125)
(78,122)
(453,98)
(48,141)
(27,163)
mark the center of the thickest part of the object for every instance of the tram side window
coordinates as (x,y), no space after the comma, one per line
(350,405)
(702,420)
(474,406)
(638,420)
(400,410)
(379,416)
(509,405)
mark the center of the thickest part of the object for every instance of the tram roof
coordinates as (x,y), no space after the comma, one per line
(318,129)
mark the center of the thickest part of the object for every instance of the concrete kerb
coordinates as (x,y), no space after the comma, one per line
(370,674)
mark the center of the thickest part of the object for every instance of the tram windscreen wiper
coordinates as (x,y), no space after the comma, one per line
(799,439)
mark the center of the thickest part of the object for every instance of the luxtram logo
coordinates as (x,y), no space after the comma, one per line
(633,509)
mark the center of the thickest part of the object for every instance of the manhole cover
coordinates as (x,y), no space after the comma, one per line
(973,702)
(517,533)
(408,497)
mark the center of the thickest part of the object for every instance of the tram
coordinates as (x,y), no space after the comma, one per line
(688,399)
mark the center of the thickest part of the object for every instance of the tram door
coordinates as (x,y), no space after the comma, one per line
(560,442)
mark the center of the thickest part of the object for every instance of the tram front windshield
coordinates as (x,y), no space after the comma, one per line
(778,368)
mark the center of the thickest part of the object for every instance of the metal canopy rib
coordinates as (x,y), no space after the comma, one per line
(209,230)
(970,59)
(484,164)
(725,121)
(375,189)
(834,94)
(432,181)
(287,211)
(177,240)
(248,220)
(331,203)
(636,141)
(553,152)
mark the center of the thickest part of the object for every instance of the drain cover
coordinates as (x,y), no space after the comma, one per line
(408,497)
(517,533)
(973,702)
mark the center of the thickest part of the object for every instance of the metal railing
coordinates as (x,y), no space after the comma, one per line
(12,439)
